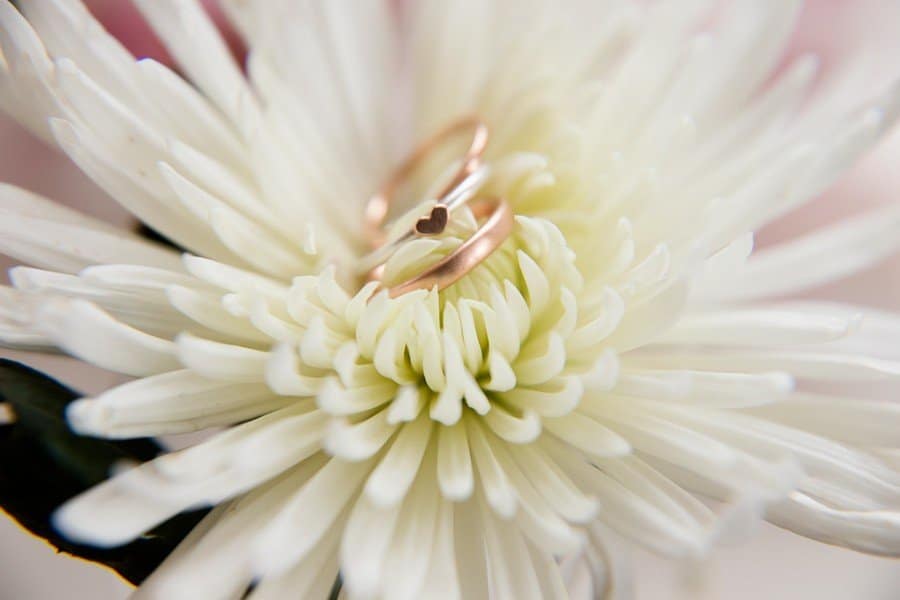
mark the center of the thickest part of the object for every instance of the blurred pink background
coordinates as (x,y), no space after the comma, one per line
(776,565)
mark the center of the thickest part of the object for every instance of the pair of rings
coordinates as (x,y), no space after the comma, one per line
(495,213)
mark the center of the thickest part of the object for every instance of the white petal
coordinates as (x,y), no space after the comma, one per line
(364,545)
(642,324)
(192,38)
(37,232)
(310,516)
(548,574)
(409,556)
(221,361)
(848,471)
(657,437)
(853,420)
(512,428)
(442,582)
(611,562)
(313,577)
(469,551)
(588,435)
(553,399)
(121,508)
(284,376)
(407,405)
(82,329)
(611,311)
(706,388)
(875,532)
(192,117)
(819,365)
(206,308)
(17,329)
(336,399)
(69,29)
(232,279)
(625,511)
(540,519)
(256,246)
(216,564)
(396,472)
(85,149)
(175,402)
(554,485)
(512,575)
(760,326)
(454,468)
(358,441)
(817,258)
(25,88)
(539,363)
(497,488)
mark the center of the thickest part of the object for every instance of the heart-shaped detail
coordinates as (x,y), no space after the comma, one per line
(435,222)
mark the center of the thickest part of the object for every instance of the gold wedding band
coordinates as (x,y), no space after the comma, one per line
(496,214)
(493,232)
(377,207)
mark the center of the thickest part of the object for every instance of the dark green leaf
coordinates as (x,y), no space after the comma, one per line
(336,588)
(155,236)
(43,464)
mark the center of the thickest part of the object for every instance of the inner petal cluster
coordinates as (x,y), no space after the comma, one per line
(494,348)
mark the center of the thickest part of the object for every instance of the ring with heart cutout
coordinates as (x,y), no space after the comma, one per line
(462,186)
(497,226)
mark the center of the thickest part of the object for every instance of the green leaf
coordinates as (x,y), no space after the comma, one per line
(43,464)
(336,588)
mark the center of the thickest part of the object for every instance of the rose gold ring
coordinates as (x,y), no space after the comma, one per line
(379,204)
(493,232)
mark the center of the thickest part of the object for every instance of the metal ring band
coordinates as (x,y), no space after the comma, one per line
(379,204)
(453,267)
(461,194)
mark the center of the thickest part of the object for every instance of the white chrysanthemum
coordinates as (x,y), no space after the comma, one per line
(617,355)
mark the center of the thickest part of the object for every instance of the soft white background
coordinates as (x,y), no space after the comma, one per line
(776,565)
